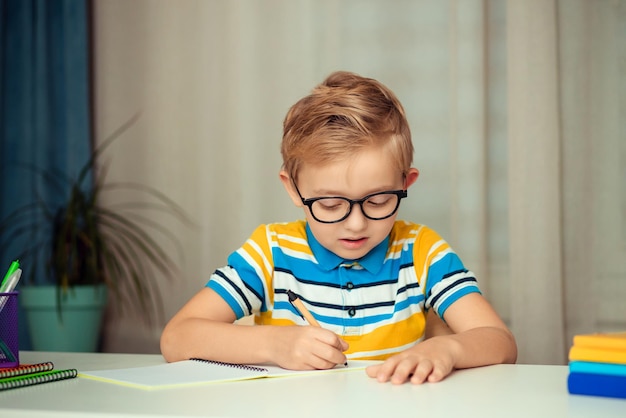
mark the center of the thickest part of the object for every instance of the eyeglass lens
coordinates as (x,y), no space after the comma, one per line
(378,206)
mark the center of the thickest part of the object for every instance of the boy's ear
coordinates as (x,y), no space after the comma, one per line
(411,177)
(288,184)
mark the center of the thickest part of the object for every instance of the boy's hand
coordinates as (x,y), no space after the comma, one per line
(476,336)
(430,360)
(307,348)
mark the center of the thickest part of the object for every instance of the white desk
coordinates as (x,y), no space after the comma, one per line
(495,391)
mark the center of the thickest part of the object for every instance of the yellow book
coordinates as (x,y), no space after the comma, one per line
(598,355)
(610,340)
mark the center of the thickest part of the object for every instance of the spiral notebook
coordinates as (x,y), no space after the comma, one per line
(36,378)
(26,369)
(198,372)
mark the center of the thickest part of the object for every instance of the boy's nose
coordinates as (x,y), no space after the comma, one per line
(356,221)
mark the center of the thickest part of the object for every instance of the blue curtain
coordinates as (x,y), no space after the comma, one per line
(44,108)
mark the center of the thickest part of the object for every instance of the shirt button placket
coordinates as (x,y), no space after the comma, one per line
(351,311)
(349,299)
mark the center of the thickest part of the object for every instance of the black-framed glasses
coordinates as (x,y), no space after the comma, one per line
(333,209)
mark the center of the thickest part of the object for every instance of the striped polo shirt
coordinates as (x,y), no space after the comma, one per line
(377,303)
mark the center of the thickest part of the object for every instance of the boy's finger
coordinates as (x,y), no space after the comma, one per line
(422,372)
(343,345)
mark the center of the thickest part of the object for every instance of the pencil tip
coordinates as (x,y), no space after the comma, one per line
(292,296)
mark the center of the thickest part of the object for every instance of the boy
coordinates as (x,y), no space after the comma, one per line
(367,279)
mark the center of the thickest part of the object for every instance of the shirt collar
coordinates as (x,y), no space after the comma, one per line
(372,261)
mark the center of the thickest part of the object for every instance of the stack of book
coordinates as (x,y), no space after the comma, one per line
(597,365)
(32,374)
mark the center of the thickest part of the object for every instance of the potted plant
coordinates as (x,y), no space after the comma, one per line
(89,252)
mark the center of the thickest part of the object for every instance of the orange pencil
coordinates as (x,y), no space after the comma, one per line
(297,303)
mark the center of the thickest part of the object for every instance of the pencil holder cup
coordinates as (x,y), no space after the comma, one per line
(9,347)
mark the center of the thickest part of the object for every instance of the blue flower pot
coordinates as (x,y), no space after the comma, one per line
(77,329)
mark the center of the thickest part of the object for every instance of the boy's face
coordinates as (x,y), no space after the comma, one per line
(370,171)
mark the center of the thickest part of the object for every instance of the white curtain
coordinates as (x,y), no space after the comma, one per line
(516,110)
(536,250)
(567,172)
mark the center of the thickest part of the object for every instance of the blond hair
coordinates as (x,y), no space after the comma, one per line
(342,115)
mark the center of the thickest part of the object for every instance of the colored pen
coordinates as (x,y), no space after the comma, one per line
(304,312)
(14,266)
(8,286)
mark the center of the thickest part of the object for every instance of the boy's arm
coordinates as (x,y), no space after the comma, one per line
(204,328)
(479,338)
(483,337)
(435,326)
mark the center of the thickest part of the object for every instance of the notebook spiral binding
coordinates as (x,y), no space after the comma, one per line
(38,378)
(234,365)
(23,369)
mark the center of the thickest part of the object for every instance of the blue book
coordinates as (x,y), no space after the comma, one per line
(597,385)
(597,368)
